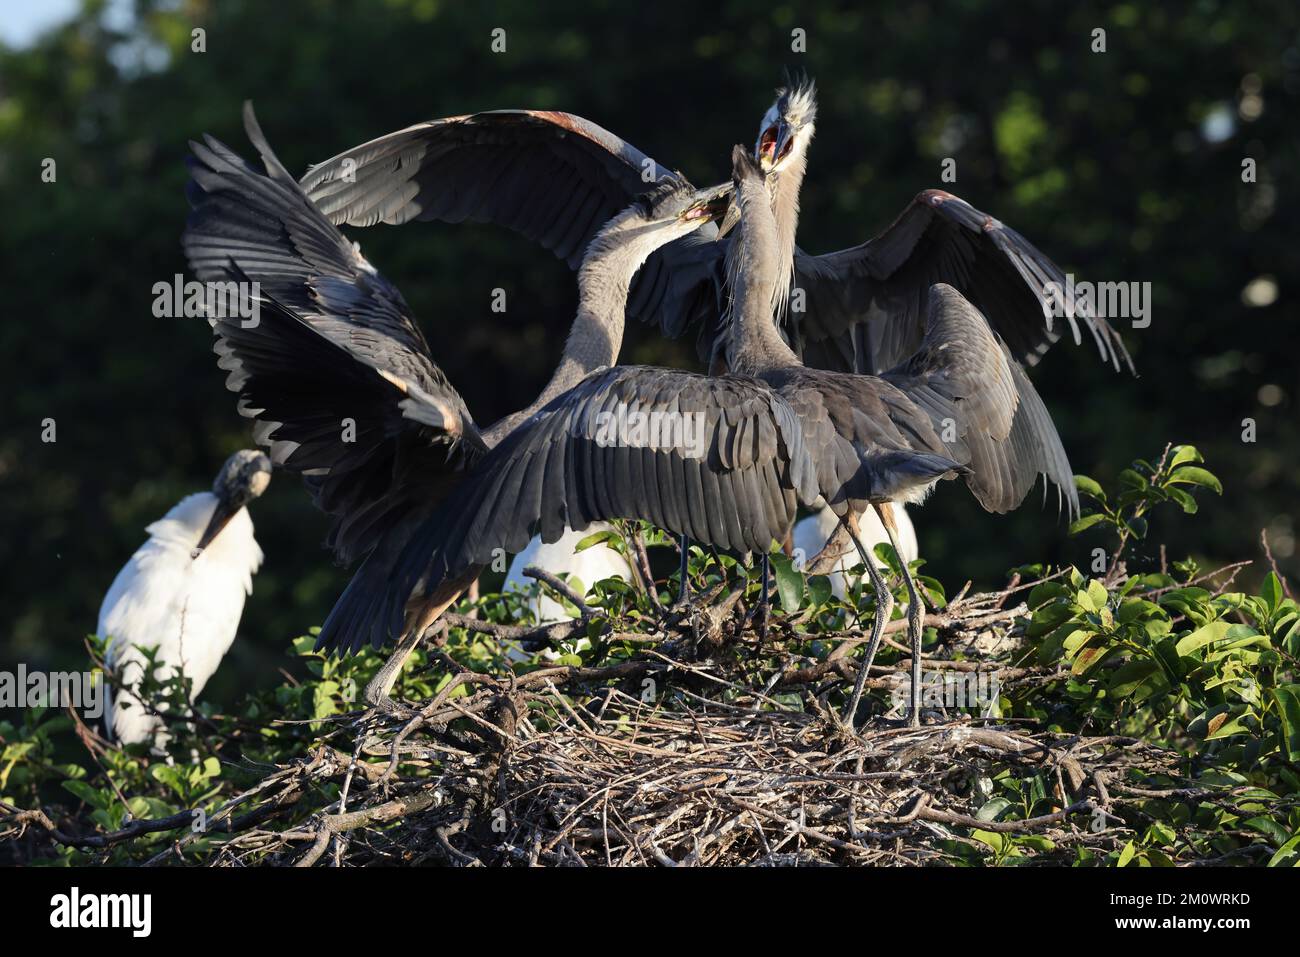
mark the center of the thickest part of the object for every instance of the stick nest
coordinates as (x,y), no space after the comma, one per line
(700,751)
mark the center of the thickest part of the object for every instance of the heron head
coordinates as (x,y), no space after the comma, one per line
(745,169)
(674,203)
(243,477)
(747,175)
(787,127)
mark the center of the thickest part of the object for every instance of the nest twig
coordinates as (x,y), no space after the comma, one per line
(683,753)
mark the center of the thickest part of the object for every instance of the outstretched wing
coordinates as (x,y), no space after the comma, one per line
(374,448)
(865,306)
(968,383)
(719,459)
(334,369)
(262,222)
(556,177)
(553,177)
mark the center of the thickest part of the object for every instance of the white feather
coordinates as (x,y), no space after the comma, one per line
(559,558)
(188,609)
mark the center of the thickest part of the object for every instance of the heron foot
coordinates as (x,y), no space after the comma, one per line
(378,698)
(377,690)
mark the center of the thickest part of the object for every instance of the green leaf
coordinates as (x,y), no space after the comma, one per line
(1288,706)
(1132,479)
(789,584)
(1288,855)
(1081,524)
(1037,841)
(1126,855)
(1086,659)
(1128,678)
(304,646)
(1291,640)
(170,776)
(92,796)
(1160,833)
(819,590)
(1201,637)
(1044,592)
(1077,639)
(992,809)
(1182,454)
(595,538)
(992,839)
(1270,828)
(1191,475)
(1271,591)
(1089,487)
(1226,729)
(888,557)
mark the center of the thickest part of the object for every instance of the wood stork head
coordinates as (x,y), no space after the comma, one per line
(243,477)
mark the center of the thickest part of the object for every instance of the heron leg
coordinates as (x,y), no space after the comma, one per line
(914,612)
(418,624)
(684,589)
(763,602)
(884,609)
(377,691)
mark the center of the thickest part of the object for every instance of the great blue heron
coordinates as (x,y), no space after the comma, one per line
(555,177)
(182,593)
(774,434)
(337,348)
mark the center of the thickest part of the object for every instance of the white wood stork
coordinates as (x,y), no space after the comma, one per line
(559,558)
(182,593)
(812,533)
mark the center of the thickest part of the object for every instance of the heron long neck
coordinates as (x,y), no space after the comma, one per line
(754,343)
(597,331)
(784,188)
(783,197)
(596,336)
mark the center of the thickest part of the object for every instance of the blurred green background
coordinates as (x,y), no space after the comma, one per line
(1123,165)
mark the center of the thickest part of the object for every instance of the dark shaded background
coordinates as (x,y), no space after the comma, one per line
(1122,166)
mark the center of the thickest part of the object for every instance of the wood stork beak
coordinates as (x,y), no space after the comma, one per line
(221,517)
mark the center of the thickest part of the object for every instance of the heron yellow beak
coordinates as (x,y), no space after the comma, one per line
(774,145)
(713,207)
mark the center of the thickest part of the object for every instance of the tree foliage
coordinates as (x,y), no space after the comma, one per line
(1098,158)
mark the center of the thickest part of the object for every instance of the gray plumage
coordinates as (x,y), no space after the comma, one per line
(557,470)
(335,343)
(554,177)
(777,433)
